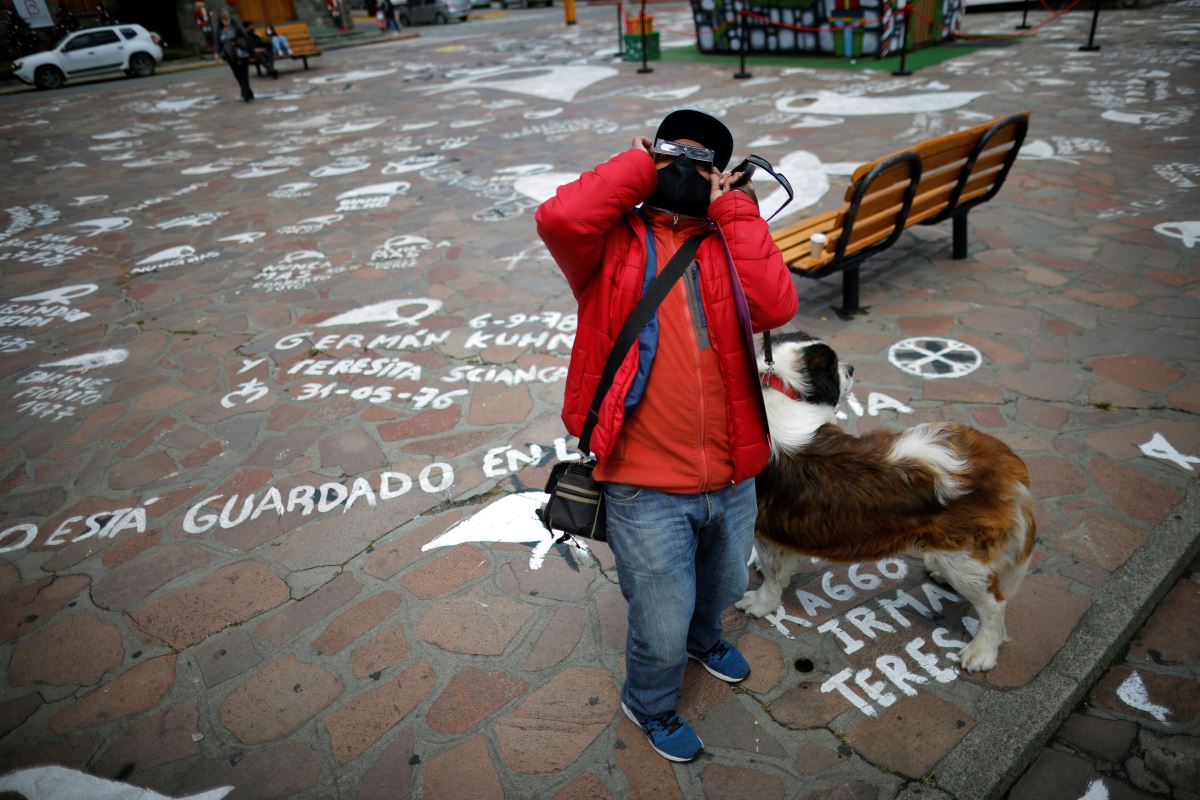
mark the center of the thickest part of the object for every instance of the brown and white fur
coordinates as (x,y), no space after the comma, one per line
(950,494)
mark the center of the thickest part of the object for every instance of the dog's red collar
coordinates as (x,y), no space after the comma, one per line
(773,381)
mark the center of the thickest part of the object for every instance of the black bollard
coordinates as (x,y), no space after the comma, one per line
(1024,26)
(904,70)
(620,35)
(741,74)
(644,68)
(1091,46)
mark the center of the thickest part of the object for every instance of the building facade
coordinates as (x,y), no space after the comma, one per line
(846,28)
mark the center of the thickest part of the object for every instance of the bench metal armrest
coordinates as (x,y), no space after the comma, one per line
(1021,124)
(913,162)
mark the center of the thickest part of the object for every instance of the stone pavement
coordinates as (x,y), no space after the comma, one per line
(1113,747)
(257,360)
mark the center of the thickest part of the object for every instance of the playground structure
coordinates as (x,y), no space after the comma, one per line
(845,28)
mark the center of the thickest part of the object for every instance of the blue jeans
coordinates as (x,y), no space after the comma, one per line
(681,560)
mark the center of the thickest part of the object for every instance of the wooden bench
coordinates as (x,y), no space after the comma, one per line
(299,42)
(938,179)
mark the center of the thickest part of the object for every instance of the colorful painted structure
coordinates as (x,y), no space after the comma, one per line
(847,28)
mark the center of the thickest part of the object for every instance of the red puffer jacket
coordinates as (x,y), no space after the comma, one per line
(598,243)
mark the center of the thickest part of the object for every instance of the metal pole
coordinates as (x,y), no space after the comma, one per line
(741,73)
(1024,26)
(1091,46)
(904,70)
(644,68)
(620,33)
(569,11)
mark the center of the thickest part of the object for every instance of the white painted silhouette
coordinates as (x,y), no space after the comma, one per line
(63,295)
(1186,232)
(349,77)
(353,127)
(249,237)
(512,518)
(558,82)
(170,254)
(388,311)
(390,189)
(836,104)
(60,783)
(412,164)
(258,172)
(91,361)
(343,166)
(1159,447)
(1133,693)
(551,112)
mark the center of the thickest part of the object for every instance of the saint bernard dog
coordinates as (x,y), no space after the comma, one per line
(954,496)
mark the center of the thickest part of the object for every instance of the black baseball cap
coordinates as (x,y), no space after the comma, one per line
(687,123)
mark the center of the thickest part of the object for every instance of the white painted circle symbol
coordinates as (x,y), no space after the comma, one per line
(933,357)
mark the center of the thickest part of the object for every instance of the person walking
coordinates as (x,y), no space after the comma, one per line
(389,13)
(234,46)
(682,431)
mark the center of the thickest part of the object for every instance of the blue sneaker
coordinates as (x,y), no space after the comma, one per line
(669,735)
(724,661)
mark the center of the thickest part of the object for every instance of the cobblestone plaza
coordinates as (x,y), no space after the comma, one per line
(280,385)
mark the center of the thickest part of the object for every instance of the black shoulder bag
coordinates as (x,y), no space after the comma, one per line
(576,503)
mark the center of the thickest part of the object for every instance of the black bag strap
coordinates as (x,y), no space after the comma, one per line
(638,318)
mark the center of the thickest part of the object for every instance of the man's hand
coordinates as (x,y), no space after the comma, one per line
(721,182)
(643,144)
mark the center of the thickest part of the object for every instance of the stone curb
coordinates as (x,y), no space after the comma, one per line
(995,754)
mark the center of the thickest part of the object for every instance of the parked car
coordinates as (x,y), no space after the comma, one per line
(420,12)
(93,51)
(481,3)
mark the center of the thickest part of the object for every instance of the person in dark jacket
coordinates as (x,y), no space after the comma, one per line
(262,51)
(389,15)
(682,431)
(233,45)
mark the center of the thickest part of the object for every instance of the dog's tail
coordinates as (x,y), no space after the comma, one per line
(926,445)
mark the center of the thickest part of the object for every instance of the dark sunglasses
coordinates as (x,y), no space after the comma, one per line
(747,167)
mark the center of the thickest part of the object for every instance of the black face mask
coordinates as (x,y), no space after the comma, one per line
(682,189)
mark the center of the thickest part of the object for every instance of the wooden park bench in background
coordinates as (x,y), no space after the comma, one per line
(299,41)
(938,179)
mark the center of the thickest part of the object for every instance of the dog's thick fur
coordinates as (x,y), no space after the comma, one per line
(948,493)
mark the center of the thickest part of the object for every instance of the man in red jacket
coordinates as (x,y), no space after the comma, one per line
(682,432)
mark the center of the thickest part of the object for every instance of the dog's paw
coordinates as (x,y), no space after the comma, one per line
(977,657)
(752,605)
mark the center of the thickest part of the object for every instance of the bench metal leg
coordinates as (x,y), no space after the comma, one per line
(960,236)
(850,306)
(305,60)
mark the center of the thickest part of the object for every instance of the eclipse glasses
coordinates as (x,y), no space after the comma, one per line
(675,149)
(746,168)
